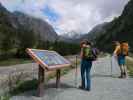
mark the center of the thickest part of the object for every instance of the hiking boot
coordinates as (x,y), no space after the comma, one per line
(81,87)
(88,90)
(124,75)
(120,76)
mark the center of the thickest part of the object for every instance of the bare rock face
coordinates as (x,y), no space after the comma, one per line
(40,27)
(97,31)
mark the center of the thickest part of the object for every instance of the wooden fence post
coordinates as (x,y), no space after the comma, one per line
(41,81)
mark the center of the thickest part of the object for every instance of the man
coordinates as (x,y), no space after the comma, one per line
(121,51)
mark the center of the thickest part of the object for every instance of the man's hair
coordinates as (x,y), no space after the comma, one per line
(123,41)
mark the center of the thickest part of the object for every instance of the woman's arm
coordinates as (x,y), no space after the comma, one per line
(81,53)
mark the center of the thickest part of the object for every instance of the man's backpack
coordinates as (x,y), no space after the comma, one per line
(124,48)
(89,54)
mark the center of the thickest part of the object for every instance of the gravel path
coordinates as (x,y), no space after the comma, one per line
(105,85)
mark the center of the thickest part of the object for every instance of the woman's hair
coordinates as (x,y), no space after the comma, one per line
(85,41)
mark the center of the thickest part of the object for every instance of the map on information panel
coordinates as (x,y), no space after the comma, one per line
(49,59)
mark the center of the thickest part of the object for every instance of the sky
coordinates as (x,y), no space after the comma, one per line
(69,15)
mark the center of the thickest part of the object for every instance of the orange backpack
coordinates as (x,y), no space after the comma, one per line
(124,48)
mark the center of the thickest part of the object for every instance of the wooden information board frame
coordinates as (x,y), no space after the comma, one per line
(42,66)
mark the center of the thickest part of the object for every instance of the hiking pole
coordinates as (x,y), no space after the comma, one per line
(76,71)
(111,65)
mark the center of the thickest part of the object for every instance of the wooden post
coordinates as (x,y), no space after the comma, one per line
(41,78)
(58,74)
(76,71)
(112,58)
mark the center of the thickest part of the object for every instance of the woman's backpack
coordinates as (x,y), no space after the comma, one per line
(95,52)
(90,53)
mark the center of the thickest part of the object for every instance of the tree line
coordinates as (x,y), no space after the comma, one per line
(13,43)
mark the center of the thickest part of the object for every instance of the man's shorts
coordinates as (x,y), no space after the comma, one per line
(121,59)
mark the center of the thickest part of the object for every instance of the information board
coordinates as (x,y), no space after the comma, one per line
(48,59)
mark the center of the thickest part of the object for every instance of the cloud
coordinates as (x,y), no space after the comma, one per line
(69,15)
(81,16)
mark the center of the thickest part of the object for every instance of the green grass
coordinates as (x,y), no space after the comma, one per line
(23,86)
(130,67)
(5,97)
(14,61)
(28,85)
(131,54)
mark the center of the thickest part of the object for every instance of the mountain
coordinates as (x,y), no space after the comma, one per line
(19,31)
(70,37)
(120,29)
(6,27)
(97,31)
(18,20)
(38,26)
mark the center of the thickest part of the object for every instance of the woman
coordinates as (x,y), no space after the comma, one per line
(86,65)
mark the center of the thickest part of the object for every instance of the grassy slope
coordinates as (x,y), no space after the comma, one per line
(14,62)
